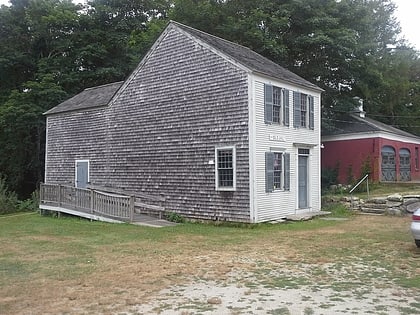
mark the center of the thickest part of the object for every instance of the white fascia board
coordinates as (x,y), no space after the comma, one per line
(252,146)
(286,84)
(367,135)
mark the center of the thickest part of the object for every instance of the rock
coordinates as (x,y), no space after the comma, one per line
(395,197)
(214,300)
(380,200)
(408,201)
(410,208)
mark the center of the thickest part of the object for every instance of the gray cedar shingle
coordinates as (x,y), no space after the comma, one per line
(91,97)
(249,58)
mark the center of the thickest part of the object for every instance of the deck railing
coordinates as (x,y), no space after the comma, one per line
(88,200)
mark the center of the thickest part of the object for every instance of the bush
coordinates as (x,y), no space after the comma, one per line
(175,217)
(30,204)
(8,199)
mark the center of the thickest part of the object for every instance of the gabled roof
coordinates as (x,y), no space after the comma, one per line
(247,57)
(353,124)
(254,62)
(91,97)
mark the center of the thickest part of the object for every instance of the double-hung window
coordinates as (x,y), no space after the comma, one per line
(276,105)
(303,110)
(226,168)
(277,171)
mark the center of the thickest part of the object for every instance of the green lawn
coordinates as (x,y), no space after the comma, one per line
(75,262)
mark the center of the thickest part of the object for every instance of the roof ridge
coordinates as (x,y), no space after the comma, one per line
(214,36)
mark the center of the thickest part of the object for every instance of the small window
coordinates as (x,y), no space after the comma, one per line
(417,157)
(225,168)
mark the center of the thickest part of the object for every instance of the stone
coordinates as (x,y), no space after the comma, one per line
(408,201)
(395,197)
(412,206)
(214,300)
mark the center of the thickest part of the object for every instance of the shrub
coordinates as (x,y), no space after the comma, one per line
(175,217)
(8,199)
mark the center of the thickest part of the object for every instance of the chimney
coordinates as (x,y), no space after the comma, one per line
(359,108)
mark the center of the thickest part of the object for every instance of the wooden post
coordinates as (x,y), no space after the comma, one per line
(59,195)
(132,199)
(91,201)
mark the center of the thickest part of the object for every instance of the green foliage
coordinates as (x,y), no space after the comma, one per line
(366,167)
(8,199)
(337,210)
(175,217)
(329,176)
(350,175)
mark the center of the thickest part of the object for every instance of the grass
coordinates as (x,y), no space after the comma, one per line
(107,267)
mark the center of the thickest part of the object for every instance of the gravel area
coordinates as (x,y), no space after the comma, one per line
(289,289)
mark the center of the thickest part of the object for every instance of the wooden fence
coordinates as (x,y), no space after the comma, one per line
(88,200)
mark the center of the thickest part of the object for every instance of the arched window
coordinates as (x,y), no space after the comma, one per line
(405,165)
(388,165)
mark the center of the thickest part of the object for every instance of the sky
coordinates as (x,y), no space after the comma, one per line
(407,13)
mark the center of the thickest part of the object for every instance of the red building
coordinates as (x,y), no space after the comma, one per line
(358,145)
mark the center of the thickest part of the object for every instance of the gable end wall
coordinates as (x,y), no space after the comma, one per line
(164,127)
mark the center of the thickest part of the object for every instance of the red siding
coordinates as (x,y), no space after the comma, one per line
(349,156)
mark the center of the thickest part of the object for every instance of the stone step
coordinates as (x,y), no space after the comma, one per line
(373,210)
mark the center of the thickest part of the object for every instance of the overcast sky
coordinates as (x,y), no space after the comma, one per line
(407,14)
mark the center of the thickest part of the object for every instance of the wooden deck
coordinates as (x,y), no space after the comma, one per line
(103,204)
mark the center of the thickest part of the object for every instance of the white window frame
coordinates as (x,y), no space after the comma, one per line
(308,101)
(75,170)
(285,171)
(216,151)
(269,105)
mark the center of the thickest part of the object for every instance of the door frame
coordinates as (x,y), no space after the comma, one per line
(75,170)
(307,156)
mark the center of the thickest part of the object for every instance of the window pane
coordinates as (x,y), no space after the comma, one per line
(303,110)
(276,104)
(277,170)
(225,167)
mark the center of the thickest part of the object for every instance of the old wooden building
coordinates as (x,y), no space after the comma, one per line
(219,131)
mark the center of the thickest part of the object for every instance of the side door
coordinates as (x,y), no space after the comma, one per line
(82,173)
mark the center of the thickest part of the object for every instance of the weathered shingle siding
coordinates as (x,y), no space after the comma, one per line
(164,127)
(75,136)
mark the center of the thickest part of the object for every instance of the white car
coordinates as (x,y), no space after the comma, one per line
(415,227)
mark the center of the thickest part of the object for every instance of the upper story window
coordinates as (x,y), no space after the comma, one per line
(303,110)
(276,105)
(226,168)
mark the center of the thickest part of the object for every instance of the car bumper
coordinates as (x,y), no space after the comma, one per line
(415,230)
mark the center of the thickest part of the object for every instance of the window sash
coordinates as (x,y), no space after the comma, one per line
(286,119)
(304,111)
(277,171)
(225,168)
(274,99)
